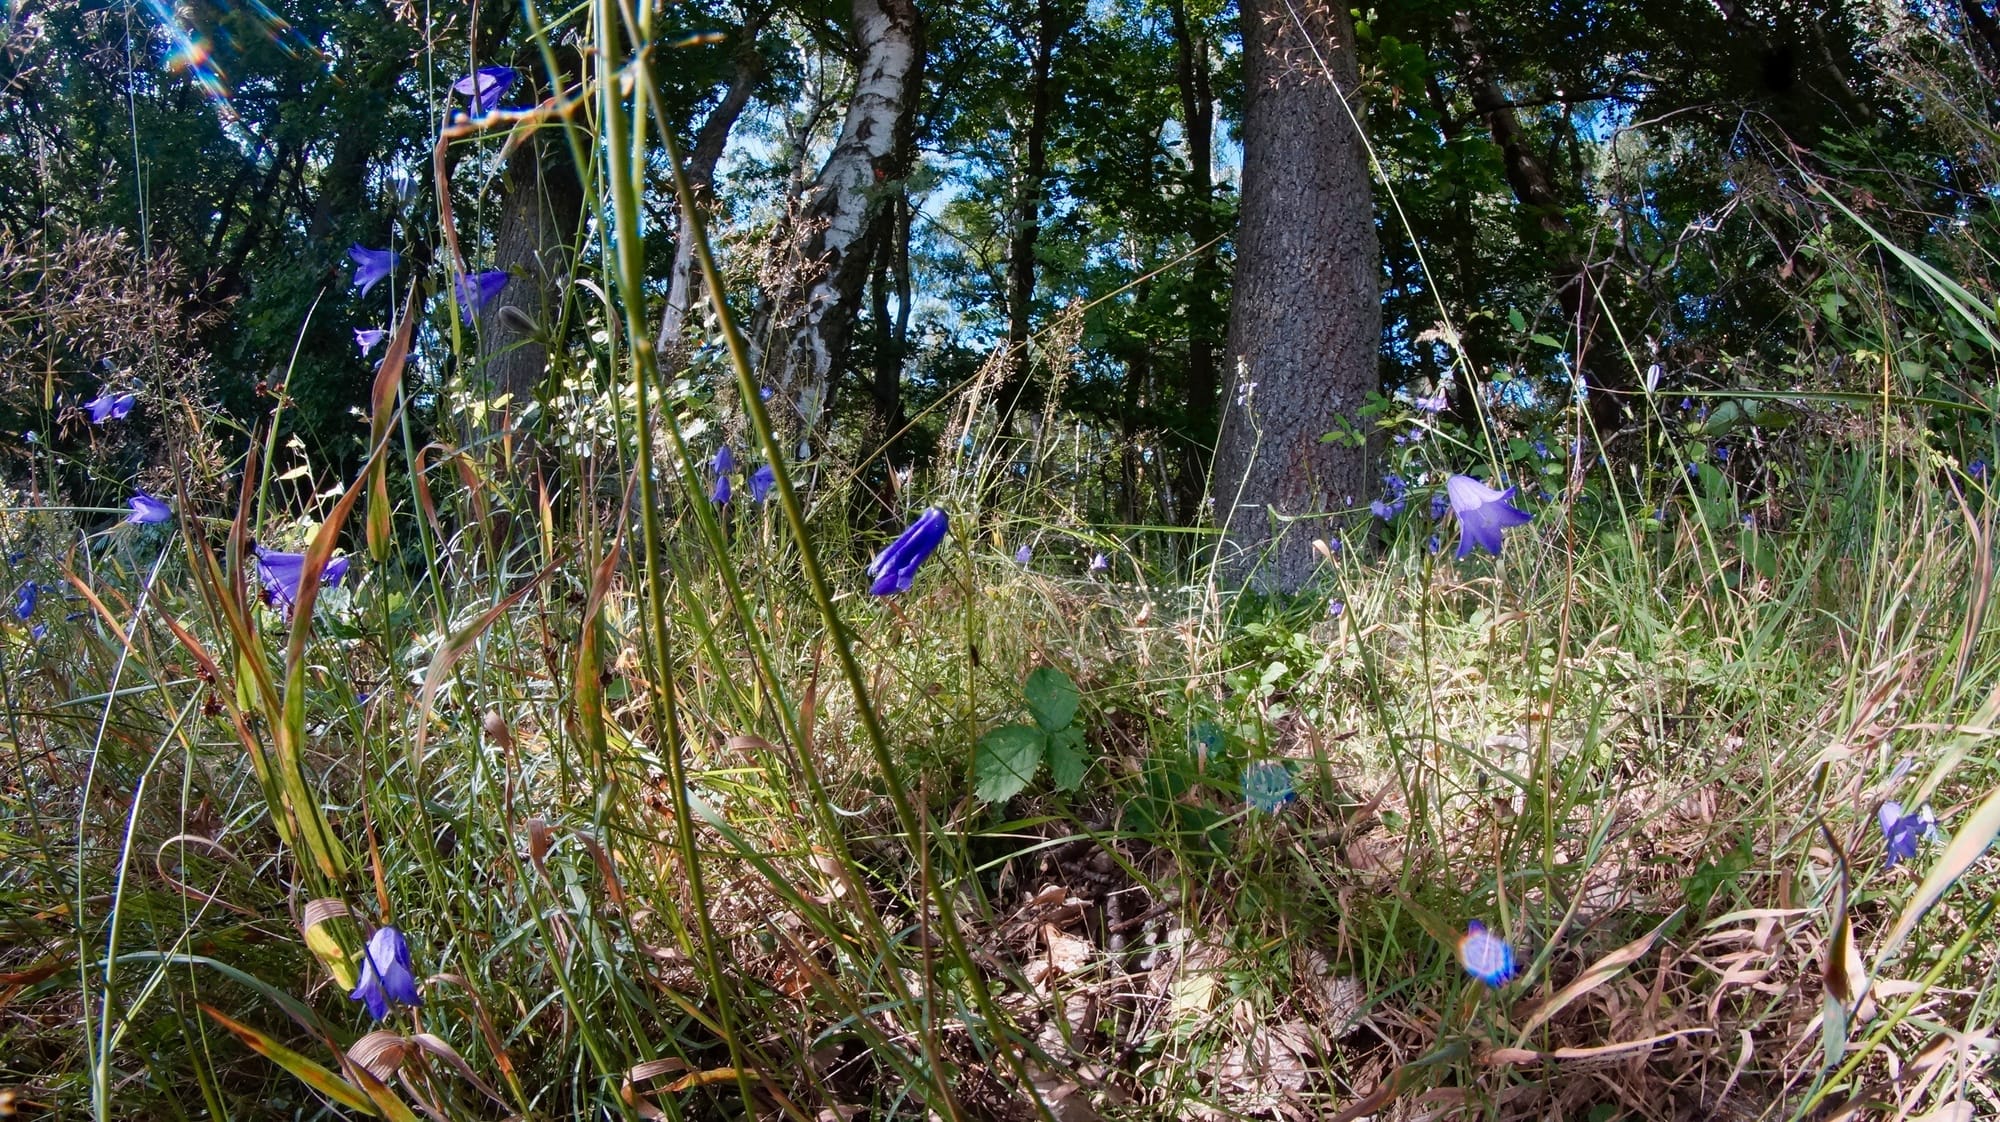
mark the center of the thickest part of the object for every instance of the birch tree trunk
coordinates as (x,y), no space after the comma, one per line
(807,319)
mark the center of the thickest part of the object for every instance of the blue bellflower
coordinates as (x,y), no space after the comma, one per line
(1901,832)
(1482,513)
(108,406)
(280,573)
(147,509)
(723,465)
(486,86)
(1267,786)
(1099,563)
(1485,955)
(1024,555)
(371,266)
(24,600)
(761,482)
(368,338)
(895,568)
(477,291)
(386,974)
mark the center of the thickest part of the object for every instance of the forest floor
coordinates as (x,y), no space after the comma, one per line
(1220,867)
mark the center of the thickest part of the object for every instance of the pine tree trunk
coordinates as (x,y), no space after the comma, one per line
(1305,320)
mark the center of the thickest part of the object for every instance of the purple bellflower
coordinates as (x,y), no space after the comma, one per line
(1024,555)
(1099,563)
(723,465)
(386,975)
(371,266)
(1485,955)
(761,482)
(24,600)
(477,291)
(486,86)
(1482,513)
(280,573)
(108,406)
(146,509)
(895,568)
(1901,832)
(368,338)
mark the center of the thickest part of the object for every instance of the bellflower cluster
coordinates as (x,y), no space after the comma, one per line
(895,568)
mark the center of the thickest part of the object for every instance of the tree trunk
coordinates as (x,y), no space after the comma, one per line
(540,210)
(684,289)
(807,320)
(892,332)
(1197,96)
(1304,316)
(1026,235)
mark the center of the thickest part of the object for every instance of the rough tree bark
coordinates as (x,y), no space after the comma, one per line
(685,288)
(1304,316)
(807,320)
(540,211)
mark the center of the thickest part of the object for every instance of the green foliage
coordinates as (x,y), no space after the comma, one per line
(1009,757)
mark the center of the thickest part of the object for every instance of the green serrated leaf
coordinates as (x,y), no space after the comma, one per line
(1008,758)
(1052,697)
(1066,760)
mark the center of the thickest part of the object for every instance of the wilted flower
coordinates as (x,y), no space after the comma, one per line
(1267,786)
(1023,555)
(368,338)
(280,573)
(386,974)
(1485,955)
(24,600)
(896,567)
(1903,831)
(108,406)
(761,482)
(1099,563)
(485,86)
(146,509)
(1482,513)
(370,265)
(477,291)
